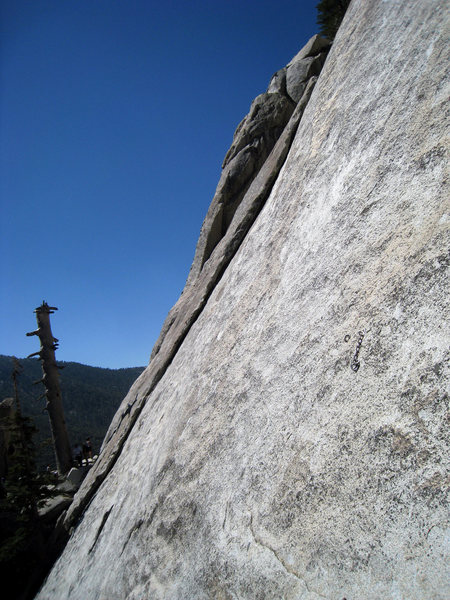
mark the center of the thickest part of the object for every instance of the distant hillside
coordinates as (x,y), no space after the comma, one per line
(91,396)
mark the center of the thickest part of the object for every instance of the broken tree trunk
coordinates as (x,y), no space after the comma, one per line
(50,380)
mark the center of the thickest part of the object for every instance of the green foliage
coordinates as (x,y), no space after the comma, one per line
(90,395)
(24,485)
(329,16)
(24,490)
(22,548)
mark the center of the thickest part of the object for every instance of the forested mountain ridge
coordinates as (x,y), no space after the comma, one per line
(90,395)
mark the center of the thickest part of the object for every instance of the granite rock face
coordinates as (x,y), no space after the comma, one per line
(294,444)
(271,114)
(253,141)
(307,63)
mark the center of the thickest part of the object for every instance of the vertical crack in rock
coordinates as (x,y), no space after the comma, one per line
(286,566)
(102,524)
(225,516)
(135,528)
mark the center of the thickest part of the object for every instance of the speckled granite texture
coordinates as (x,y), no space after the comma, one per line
(296,445)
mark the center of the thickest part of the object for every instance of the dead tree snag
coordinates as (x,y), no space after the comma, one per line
(50,380)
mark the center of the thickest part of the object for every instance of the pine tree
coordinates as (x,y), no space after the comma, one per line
(24,491)
(330,15)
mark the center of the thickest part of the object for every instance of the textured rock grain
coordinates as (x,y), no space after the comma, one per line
(262,465)
(186,310)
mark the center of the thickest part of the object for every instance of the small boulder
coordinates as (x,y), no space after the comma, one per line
(75,476)
(314,46)
(300,71)
(54,507)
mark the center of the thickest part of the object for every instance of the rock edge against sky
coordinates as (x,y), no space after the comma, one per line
(293,441)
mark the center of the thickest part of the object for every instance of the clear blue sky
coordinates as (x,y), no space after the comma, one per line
(115,116)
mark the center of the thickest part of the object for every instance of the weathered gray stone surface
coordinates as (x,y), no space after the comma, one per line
(305,64)
(314,46)
(254,139)
(55,507)
(299,72)
(260,464)
(252,143)
(75,476)
(186,310)
(278,82)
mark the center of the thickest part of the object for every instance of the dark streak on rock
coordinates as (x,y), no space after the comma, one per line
(102,524)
